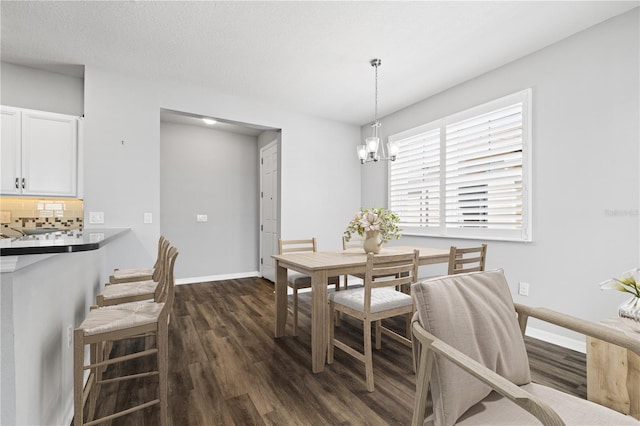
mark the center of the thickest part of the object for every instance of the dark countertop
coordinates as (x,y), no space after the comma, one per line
(59,242)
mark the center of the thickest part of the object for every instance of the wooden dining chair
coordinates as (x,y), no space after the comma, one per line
(469,259)
(355,242)
(377,300)
(296,280)
(104,325)
(138,274)
(133,291)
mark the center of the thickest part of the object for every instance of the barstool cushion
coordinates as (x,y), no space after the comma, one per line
(132,273)
(136,288)
(120,317)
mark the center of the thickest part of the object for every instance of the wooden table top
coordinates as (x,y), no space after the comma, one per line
(355,257)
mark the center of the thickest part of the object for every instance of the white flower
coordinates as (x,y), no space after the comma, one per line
(612,284)
(370,222)
(628,282)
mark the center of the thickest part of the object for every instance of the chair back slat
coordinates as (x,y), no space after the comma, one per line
(356,241)
(296,246)
(468,259)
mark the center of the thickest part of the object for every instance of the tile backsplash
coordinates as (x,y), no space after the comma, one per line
(17,214)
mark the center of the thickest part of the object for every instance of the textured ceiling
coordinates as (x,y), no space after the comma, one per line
(311,57)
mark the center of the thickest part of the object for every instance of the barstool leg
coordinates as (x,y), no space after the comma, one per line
(163,353)
(78,373)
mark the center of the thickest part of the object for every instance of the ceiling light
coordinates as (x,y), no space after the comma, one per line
(369,151)
(209,120)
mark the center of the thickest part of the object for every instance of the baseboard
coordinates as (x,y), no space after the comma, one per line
(556,339)
(208,278)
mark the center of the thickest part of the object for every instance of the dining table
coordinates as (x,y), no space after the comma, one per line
(320,265)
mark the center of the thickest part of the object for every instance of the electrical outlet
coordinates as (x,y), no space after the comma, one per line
(148,218)
(96,218)
(201,218)
(69,336)
(523,289)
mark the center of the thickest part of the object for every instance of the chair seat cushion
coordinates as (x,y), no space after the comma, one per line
(382,299)
(120,317)
(497,410)
(137,288)
(132,273)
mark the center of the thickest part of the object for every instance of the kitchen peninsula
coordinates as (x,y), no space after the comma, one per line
(48,283)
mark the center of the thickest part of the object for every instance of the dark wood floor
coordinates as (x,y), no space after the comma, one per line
(226,368)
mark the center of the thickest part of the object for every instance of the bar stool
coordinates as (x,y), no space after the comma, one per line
(138,274)
(134,291)
(124,321)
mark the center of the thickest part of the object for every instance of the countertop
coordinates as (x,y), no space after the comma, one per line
(59,242)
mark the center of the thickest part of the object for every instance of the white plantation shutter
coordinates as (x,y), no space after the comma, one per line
(414,181)
(467,175)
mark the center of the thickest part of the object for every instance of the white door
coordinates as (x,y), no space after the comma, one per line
(268,209)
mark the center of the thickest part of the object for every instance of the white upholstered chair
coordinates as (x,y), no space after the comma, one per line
(378,299)
(296,280)
(468,337)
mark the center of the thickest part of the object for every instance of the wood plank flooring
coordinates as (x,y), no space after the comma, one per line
(226,368)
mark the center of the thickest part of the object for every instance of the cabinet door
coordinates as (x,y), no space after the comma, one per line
(49,153)
(10,151)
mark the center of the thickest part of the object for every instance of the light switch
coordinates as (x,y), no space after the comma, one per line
(148,218)
(96,218)
(201,218)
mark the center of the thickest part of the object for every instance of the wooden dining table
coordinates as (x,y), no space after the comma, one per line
(319,266)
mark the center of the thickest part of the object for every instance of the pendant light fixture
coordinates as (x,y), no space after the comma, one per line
(369,151)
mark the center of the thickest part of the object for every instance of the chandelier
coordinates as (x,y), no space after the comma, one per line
(369,151)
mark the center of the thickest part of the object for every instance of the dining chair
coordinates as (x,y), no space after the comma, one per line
(377,300)
(472,361)
(296,280)
(138,274)
(355,242)
(469,259)
(104,325)
(133,291)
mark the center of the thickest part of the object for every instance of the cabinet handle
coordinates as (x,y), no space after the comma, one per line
(23,183)
(17,183)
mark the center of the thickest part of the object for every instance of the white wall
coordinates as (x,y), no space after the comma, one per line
(207,171)
(585,166)
(41,301)
(31,88)
(320,181)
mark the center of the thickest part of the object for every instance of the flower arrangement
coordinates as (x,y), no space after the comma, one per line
(375,219)
(627,283)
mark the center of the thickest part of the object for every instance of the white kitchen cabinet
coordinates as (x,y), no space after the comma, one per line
(39,153)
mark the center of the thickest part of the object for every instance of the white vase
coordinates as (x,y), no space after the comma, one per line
(372,242)
(630,309)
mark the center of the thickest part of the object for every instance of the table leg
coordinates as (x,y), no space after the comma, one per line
(281,300)
(319,313)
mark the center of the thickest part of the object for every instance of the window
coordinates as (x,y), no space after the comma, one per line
(467,175)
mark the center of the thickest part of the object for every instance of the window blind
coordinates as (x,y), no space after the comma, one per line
(483,176)
(466,175)
(414,182)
